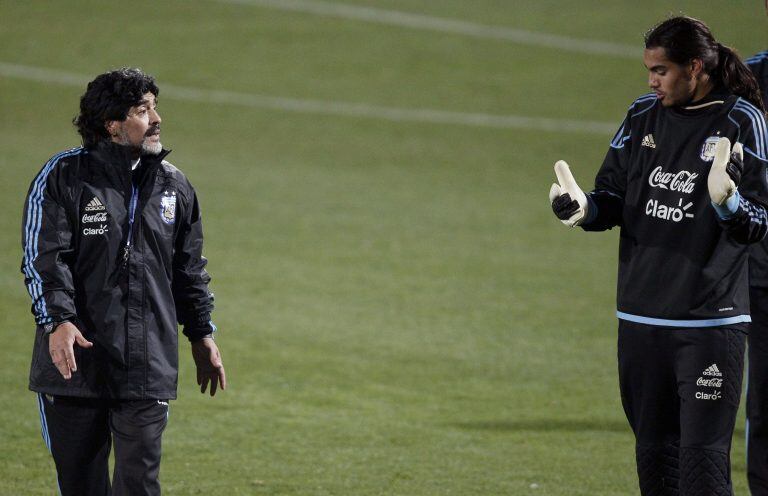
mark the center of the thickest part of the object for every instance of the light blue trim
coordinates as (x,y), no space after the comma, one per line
(643,99)
(46,434)
(726,211)
(620,138)
(32,233)
(736,319)
(43,421)
(757,57)
(746,419)
(758,121)
(758,125)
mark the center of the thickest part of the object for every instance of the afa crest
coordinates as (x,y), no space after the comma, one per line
(168,207)
(708,149)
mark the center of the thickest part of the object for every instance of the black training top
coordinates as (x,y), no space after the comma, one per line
(758,262)
(681,263)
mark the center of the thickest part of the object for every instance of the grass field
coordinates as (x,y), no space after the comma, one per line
(399,311)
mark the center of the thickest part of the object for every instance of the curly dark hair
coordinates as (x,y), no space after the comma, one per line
(108,98)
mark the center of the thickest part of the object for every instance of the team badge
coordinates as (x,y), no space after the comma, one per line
(708,149)
(168,207)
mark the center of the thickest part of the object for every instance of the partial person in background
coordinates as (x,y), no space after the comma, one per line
(688,204)
(757,370)
(112,241)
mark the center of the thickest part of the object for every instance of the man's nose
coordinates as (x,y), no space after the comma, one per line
(154,117)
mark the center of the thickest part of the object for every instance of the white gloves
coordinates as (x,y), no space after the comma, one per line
(726,167)
(568,200)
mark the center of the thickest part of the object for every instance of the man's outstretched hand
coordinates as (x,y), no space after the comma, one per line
(209,365)
(61,346)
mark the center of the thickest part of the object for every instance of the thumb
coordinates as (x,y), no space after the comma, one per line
(738,149)
(565,178)
(722,153)
(554,192)
(80,340)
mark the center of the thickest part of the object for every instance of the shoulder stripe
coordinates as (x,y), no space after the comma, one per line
(640,105)
(758,125)
(758,57)
(32,233)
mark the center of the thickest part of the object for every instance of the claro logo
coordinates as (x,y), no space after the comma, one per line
(681,182)
(667,212)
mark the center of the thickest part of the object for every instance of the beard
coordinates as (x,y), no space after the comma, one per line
(146,147)
(153,148)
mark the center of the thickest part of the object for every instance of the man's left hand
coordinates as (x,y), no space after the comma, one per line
(726,171)
(210,368)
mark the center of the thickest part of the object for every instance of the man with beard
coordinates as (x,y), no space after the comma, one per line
(112,241)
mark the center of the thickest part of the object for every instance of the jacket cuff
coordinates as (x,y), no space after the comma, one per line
(201,327)
(54,305)
(730,207)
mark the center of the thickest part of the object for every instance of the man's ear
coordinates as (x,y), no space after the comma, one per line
(111,127)
(695,68)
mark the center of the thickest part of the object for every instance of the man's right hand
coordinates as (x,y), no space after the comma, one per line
(61,344)
(568,200)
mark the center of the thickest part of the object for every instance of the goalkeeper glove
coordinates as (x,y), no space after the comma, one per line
(725,173)
(568,200)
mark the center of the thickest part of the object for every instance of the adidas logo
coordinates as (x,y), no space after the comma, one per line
(95,205)
(712,371)
(648,141)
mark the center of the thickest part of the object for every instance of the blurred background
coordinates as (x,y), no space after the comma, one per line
(399,311)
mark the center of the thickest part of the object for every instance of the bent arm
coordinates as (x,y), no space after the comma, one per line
(744,220)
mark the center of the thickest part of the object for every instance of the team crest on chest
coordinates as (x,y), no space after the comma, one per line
(708,149)
(168,207)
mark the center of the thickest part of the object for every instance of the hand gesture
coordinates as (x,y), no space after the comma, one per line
(725,173)
(568,200)
(61,346)
(209,365)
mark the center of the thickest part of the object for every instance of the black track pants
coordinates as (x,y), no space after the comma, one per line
(680,390)
(757,394)
(79,433)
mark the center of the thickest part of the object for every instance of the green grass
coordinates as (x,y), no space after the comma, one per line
(399,311)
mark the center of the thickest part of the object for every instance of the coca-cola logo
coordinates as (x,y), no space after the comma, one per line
(681,182)
(715,382)
(99,217)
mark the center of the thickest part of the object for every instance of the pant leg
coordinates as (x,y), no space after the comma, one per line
(757,394)
(709,364)
(77,434)
(649,397)
(137,428)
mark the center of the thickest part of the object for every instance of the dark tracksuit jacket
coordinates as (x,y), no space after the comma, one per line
(119,254)
(680,264)
(757,390)
(758,263)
